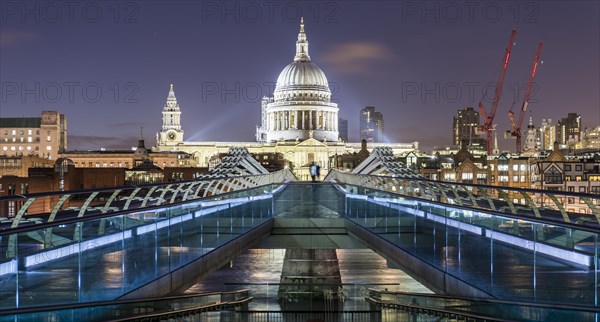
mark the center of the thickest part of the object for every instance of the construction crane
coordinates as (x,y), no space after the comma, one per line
(488,119)
(516,125)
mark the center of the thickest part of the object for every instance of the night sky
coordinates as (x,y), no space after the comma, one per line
(417,65)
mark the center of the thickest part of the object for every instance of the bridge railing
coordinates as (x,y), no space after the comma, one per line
(483,309)
(500,254)
(102,256)
(551,205)
(19,210)
(127,310)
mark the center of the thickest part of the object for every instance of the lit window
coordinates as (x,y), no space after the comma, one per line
(14,132)
(29,132)
(515,167)
(48,148)
(515,178)
(523,167)
(30,139)
(522,178)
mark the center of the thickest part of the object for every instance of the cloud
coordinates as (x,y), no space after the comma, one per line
(13,38)
(357,58)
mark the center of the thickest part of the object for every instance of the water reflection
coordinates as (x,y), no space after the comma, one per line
(260,271)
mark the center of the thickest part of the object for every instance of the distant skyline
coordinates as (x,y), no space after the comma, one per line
(107,65)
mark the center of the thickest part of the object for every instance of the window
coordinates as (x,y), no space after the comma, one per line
(48,148)
(515,178)
(30,139)
(582,189)
(515,167)
(571,189)
(492,167)
(595,189)
(29,132)
(523,179)
(467,176)
(567,167)
(523,167)
(553,176)
(577,178)
(14,132)
(503,167)
(578,167)
(502,178)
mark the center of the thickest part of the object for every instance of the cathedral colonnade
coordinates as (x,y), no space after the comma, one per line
(302,120)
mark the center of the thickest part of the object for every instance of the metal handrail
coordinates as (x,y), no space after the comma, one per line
(415,178)
(113,302)
(547,221)
(20,197)
(194,310)
(433,311)
(490,300)
(478,196)
(67,221)
(121,199)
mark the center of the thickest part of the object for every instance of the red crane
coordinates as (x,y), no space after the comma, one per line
(516,125)
(488,120)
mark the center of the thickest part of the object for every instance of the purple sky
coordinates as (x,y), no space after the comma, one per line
(417,65)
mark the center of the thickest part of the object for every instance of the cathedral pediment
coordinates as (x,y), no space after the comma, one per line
(311,142)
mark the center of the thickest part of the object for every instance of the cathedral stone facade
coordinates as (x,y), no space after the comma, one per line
(301,105)
(299,122)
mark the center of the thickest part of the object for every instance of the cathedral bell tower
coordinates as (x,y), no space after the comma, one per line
(171,132)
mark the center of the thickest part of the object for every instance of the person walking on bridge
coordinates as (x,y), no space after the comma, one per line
(313,171)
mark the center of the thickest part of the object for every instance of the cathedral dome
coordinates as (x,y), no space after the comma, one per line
(301,75)
(301,106)
(301,79)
